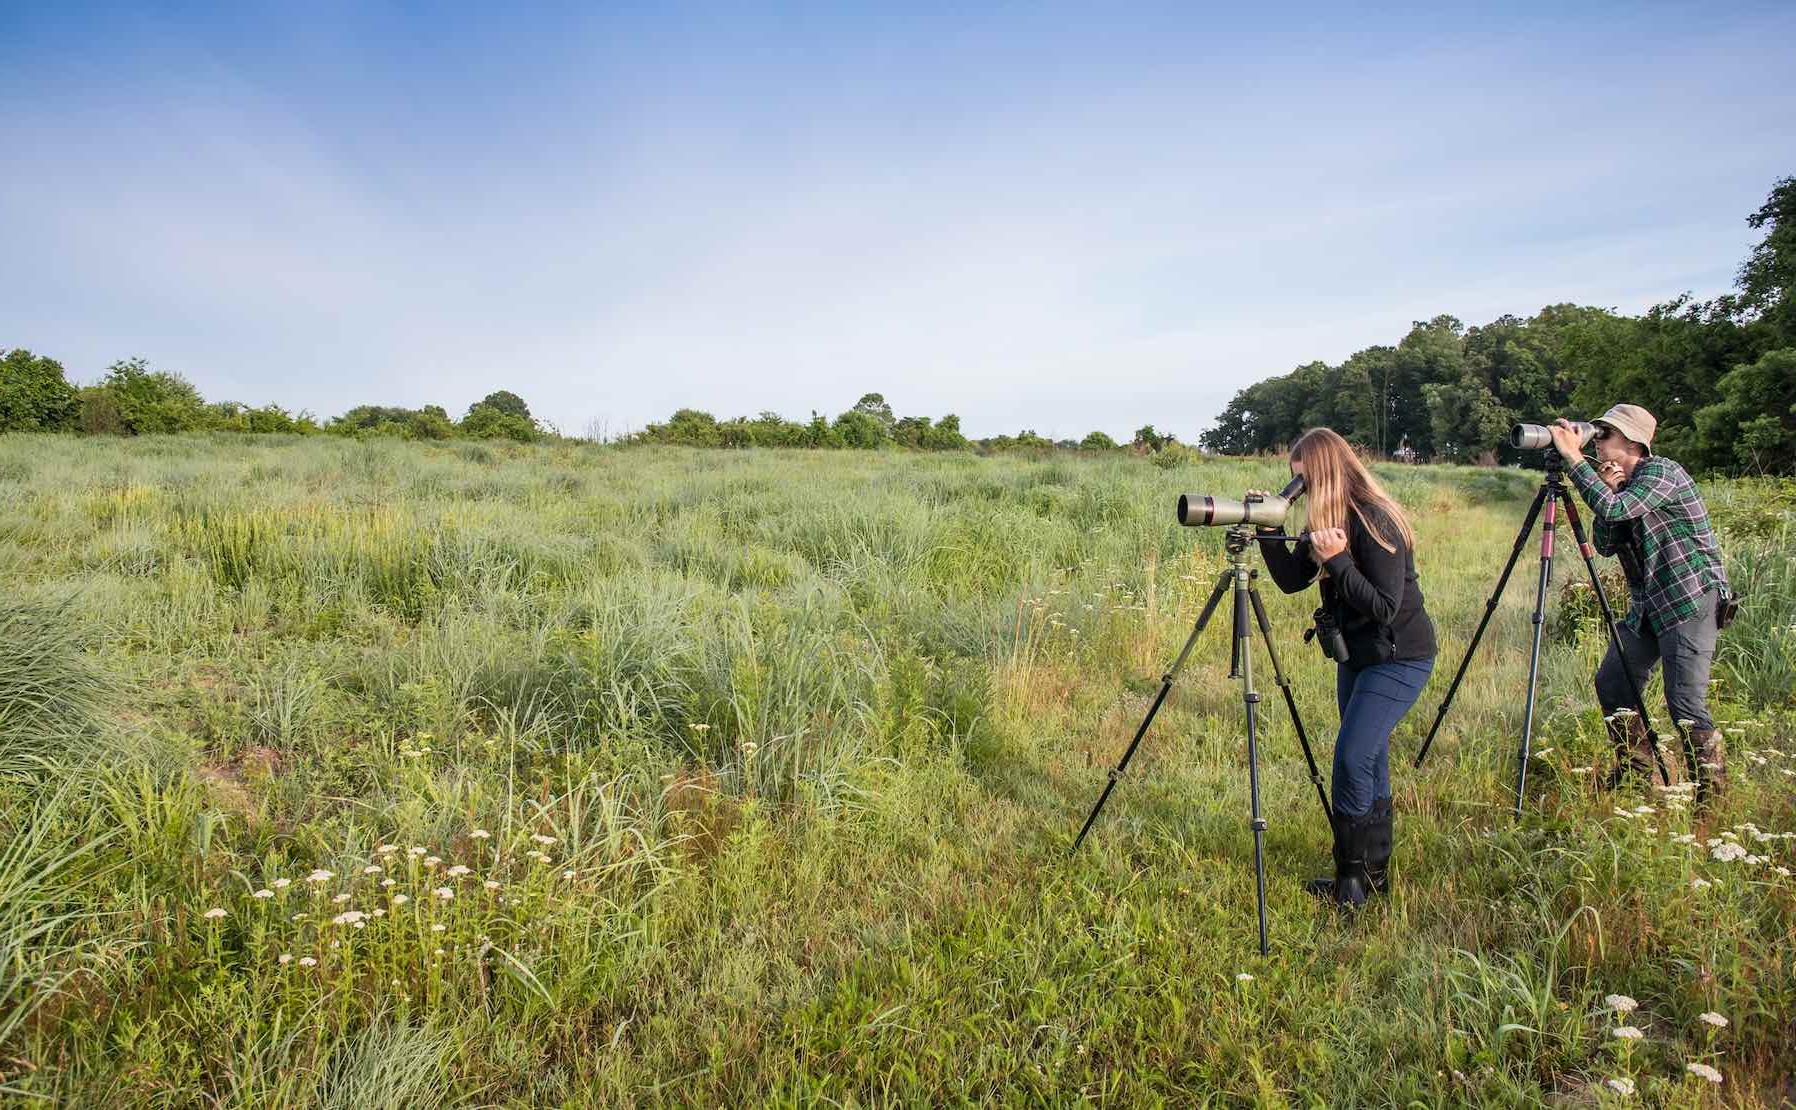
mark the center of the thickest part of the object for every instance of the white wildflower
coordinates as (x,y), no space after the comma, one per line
(263,894)
(282,884)
(481,834)
(215,913)
(457,871)
(1243,977)
(371,869)
(1712,1018)
(417,850)
(443,892)
(349,917)
(1621,1003)
(1621,1085)
(307,961)
(541,839)
(285,959)
(341,898)
(1703,1070)
(320,876)
(492,884)
(1626,1033)
(400,899)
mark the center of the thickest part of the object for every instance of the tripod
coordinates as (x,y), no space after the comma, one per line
(1552,494)
(1240,577)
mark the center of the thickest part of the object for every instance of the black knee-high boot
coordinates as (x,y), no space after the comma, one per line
(1350,885)
(1380,837)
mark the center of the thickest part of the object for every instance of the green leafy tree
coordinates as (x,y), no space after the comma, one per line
(1768,278)
(861,430)
(486,422)
(505,402)
(1097,441)
(874,405)
(153,402)
(35,396)
(946,435)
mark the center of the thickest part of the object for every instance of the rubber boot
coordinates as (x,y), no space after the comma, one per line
(1349,886)
(1379,839)
(1323,886)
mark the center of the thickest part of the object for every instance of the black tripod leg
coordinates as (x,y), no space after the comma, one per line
(1166,680)
(1602,600)
(1539,618)
(1278,676)
(1244,652)
(1490,607)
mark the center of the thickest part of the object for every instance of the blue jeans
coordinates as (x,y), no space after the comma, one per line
(1372,700)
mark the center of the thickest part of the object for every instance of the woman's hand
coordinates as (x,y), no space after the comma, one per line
(1326,543)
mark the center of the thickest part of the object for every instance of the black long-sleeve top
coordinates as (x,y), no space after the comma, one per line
(1373,594)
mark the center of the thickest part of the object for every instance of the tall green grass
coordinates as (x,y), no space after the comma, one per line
(772,760)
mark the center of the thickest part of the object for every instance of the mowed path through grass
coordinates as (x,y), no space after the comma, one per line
(572,775)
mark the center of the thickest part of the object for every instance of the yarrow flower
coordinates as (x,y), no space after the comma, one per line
(340,898)
(480,834)
(417,850)
(387,849)
(432,861)
(371,869)
(400,899)
(541,839)
(444,893)
(1712,1018)
(1626,1033)
(439,927)
(1621,1002)
(1243,977)
(1728,853)
(307,961)
(1700,884)
(492,884)
(457,871)
(263,894)
(282,884)
(320,876)
(1703,1070)
(285,959)
(1621,1085)
(215,913)
(349,917)
(389,882)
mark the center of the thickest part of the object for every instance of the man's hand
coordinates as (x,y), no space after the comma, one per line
(1326,543)
(1565,437)
(1611,474)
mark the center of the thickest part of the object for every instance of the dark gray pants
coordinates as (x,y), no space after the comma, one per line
(1686,649)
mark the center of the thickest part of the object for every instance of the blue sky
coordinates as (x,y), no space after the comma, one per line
(1062,217)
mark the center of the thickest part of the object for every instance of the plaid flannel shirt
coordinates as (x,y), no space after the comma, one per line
(1657,526)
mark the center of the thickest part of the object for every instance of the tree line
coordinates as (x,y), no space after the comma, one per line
(132,399)
(869,425)
(1720,375)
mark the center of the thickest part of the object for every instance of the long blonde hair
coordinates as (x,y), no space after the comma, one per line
(1335,481)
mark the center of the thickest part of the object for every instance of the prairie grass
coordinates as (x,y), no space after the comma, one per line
(382,774)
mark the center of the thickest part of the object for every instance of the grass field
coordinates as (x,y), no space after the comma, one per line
(375,774)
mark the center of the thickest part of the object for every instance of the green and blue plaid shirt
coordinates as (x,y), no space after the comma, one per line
(1657,526)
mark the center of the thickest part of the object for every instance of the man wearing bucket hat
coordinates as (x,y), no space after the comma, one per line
(1648,515)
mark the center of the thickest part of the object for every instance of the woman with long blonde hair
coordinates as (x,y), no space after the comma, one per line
(1362,548)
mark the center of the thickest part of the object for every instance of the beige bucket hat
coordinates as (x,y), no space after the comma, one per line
(1631,421)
